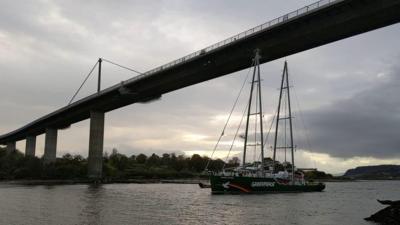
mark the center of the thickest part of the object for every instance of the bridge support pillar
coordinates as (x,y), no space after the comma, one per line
(96,141)
(30,147)
(50,145)
(10,147)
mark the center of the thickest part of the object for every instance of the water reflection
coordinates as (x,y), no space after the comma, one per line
(120,204)
(93,204)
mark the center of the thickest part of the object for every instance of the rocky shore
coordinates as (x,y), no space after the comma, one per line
(387,216)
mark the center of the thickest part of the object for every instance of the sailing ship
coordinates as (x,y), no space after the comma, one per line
(267,176)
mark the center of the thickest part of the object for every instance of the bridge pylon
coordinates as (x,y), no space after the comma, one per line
(30,147)
(10,147)
(96,142)
(50,145)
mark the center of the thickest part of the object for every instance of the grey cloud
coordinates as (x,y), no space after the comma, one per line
(366,124)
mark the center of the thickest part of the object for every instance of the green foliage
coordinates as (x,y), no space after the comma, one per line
(115,166)
(216,165)
(141,158)
(66,167)
(197,163)
(234,162)
(153,160)
(16,166)
(179,163)
(118,161)
(318,175)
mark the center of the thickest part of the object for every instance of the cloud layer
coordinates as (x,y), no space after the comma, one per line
(364,124)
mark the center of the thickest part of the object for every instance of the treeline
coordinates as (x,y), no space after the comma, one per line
(115,166)
(317,175)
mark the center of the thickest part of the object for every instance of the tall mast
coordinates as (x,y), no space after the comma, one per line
(285,85)
(256,72)
(278,118)
(257,63)
(249,112)
(290,119)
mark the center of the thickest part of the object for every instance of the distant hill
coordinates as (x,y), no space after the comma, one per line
(374,172)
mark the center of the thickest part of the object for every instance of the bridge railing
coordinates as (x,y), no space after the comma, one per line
(265,26)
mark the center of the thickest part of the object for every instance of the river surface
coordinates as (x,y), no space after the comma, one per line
(344,203)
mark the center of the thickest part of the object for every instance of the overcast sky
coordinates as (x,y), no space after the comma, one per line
(348,91)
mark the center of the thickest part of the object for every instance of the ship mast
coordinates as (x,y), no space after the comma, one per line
(284,86)
(256,80)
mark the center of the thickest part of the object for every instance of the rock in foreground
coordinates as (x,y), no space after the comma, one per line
(389,215)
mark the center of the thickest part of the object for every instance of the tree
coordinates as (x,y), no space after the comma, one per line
(119,161)
(141,158)
(115,165)
(67,156)
(153,160)
(165,159)
(197,163)
(178,163)
(234,162)
(216,165)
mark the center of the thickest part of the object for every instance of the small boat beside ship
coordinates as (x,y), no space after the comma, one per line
(203,185)
(266,175)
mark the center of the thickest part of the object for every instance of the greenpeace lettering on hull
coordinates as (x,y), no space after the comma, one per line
(262,184)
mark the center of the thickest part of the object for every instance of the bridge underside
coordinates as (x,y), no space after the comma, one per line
(338,21)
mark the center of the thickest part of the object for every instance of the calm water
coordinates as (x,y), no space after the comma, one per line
(341,203)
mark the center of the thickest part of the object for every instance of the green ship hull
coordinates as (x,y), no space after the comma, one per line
(258,185)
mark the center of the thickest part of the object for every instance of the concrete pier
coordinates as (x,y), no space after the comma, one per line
(50,145)
(96,141)
(30,146)
(10,147)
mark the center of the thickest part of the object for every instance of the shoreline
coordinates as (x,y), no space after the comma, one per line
(149,181)
(116,181)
